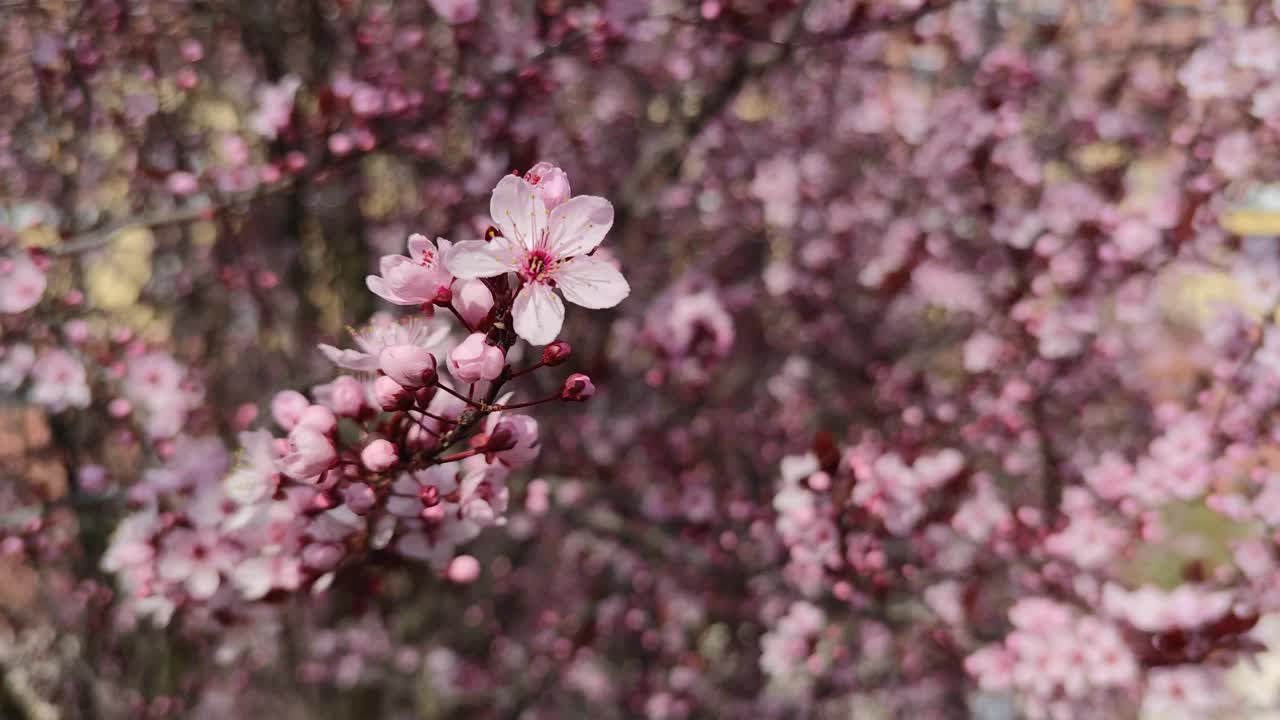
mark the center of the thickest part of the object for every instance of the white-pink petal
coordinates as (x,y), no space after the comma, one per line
(591,283)
(420,247)
(518,210)
(538,314)
(579,225)
(350,359)
(479,259)
(378,287)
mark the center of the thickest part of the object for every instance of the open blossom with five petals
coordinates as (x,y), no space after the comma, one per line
(383,332)
(548,250)
(415,280)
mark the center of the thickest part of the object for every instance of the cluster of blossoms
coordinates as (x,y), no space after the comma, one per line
(408,454)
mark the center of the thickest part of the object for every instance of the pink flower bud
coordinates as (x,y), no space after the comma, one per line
(379,455)
(318,418)
(551,183)
(463,569)
(513,440)
(391,395)
(474,360)
(347,396)
(577,388)
(409,365)
(473,300)
(119,408)
(287,407)
(321,557)
(556,353)
(360,498)
(182,183)
(429,495)
(310,453)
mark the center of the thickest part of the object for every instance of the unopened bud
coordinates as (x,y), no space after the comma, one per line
(556,353)
(360,498)
(409,365)
(379,455)
(429,495)
(391,395)
(577,388)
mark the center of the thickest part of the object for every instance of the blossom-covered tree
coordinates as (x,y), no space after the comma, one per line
(924,361)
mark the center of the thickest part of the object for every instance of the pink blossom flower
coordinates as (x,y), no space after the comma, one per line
(21,284)
(256,476)
(287,407)
(381,333)
(415,280)
(59,381)
(15,362)
(547,250)
(182,183)
(195,558)
(474,360)
(456,12)
(275,105)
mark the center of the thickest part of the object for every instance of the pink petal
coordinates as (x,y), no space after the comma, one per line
(350,359)
(591,283)
(477,258)
(420,246)
(538,314)
(579,225)
(518,210)
(378,287)
(203,583)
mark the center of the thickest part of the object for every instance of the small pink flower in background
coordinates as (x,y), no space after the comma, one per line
(456,12)
(275,105)
(464,569)
(15,362)
(59,381)
(474,360)
(195,558)
(22,284)
(419,279)
(548,250)
(287,407)
(256,476)
(182,183)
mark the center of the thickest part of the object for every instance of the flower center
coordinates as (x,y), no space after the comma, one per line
(538,266)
